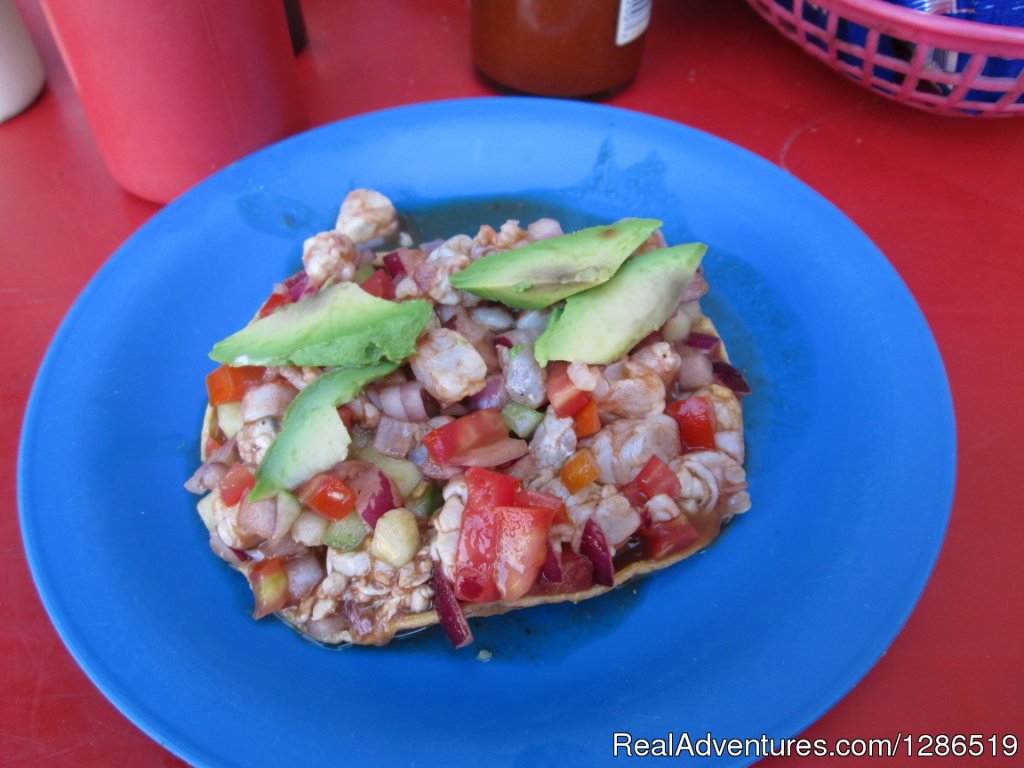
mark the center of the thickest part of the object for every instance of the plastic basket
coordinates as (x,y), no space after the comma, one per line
(935,63)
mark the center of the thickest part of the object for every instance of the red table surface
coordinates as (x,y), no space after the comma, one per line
(942,197)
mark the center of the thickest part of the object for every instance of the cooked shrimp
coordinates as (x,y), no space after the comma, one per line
(255,438)
(624,446)
(366,215)
(488,240)
(660,358)
(329,255)
(634,391)
(448,522)
(270,399)
(432,276)
(525,379)
(448,366)
(711,481)
(296,376)
(554,441)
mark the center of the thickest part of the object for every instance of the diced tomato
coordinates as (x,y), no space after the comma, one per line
(269,582)
(379,284)
(696,419)
(478,549)
(586,422)
(656,478)
(276,300)
(328,496)
(527,498)
(212,445)
(562,393)
(487,490)
(473,431)
(522,548)
(579,471)
(669,537)
(227,384)
(634,495)
(577,575)
(235,483)
(347,415)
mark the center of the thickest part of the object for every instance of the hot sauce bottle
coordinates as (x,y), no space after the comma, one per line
(566,48)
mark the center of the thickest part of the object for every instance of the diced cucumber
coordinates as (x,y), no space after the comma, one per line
(229,418)
(404,473)
(348,533)
(424,499)
(521,419)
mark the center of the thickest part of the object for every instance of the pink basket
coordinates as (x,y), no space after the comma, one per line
(935,63)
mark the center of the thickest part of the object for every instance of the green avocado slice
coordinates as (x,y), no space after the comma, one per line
(340,325)
(543,272)
(602,324)
(313,438)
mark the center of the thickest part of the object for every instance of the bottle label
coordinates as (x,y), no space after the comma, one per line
(634,15)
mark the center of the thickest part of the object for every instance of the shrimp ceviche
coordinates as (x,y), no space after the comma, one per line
(407,435)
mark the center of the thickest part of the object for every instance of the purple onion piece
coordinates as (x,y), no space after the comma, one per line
(394,266)
(594,546)
(728,376)
(493,395)
(705,342)
(552,568)
(296,286)
(449,612)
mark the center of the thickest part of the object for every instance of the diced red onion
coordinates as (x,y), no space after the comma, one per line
(729,376)
(449,612)
(258,518)
(420,456)
(212,470)
(224,552)
(503,341)
(595,547)
(304,575)
(395,437)
(493,455)
(523,468)
(297,286)
(393,264)
(552,568)
(695,369)
(407,401)
(705,342)
(493,395)
(577,575)
(286,546)
(383,500)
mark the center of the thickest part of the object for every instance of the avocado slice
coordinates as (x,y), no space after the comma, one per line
(313,438)
(340,325)
(543,272)
(602,324)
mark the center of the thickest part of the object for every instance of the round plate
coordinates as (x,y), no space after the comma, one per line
(850,439)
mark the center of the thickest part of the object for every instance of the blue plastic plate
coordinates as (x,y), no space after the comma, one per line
(851,462)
